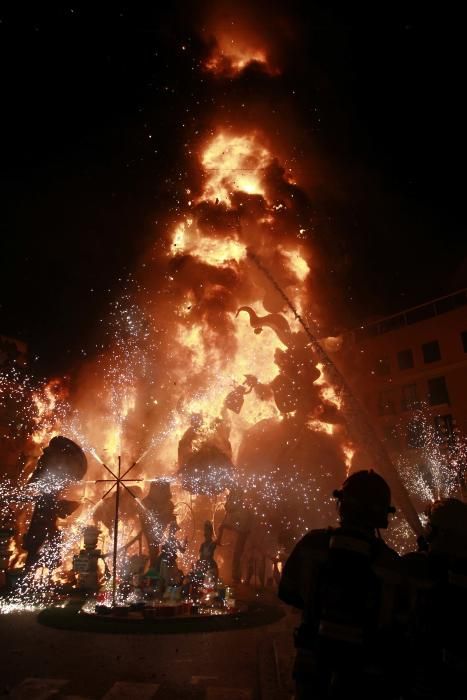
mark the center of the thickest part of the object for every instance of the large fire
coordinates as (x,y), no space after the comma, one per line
(233,163)
(210,381)
(207,392)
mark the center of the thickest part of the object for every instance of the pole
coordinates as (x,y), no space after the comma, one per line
(117,506)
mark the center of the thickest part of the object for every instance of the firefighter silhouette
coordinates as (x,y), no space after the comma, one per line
(437,574)
(349,585)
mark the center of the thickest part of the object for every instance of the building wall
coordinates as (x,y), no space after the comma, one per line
(393,366)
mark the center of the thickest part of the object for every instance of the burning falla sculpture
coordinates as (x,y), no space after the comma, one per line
(152,514)
(157,515)
(205,457)
(301,442)
(293,388)
(61,465)
(289,444)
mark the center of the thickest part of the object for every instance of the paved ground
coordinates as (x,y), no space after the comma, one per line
(40,662)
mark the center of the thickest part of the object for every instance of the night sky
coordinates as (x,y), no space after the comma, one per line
(99,104)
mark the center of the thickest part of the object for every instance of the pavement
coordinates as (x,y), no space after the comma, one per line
(42,663)
(284,654)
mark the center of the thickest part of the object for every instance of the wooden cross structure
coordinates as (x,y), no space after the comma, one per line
(118,480)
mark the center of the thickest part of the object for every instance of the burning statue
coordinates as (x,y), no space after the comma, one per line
(170,574)
(205,456)
(294,387)
(62,464)
(206,562)
(239,521)
(157,514)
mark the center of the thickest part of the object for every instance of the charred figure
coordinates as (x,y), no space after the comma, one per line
(62,464)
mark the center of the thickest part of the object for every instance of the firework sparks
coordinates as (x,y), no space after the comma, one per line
(437,468)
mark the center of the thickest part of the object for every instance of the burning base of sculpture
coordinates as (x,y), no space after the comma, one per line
(154,582)
(165,590)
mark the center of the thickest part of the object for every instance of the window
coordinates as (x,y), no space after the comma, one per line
(405,359)
(431,351)
(416,434)
(464,340)
(444,426)
(437,391)
(386,405)
(382,367)
(409,397)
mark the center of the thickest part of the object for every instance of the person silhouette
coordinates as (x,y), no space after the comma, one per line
(348,584)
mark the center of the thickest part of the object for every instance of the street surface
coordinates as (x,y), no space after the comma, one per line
(38,663)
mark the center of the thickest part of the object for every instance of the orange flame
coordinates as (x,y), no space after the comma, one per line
(226,371)
(296,263)
(327,391)
(233,54)
(321,426)
(349,452)
(212,251)
(234,164)
(46,419)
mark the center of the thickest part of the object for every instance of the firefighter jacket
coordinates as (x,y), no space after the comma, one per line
(350,588)
(437,626)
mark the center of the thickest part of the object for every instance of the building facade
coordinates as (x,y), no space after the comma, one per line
(410,372)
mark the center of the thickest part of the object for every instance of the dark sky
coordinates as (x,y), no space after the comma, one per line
(82,183)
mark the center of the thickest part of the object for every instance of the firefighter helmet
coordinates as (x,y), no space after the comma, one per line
(365,497)
(447,514)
